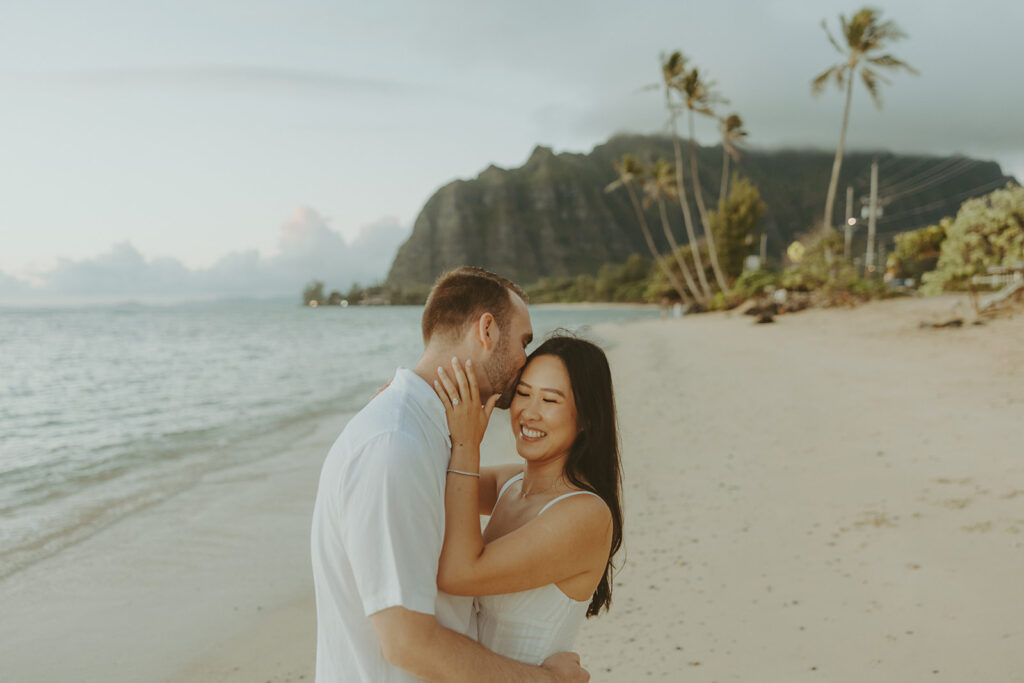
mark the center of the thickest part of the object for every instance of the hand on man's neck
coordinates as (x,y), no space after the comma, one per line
(441,356)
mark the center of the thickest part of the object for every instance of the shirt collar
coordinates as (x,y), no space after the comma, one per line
(422,395)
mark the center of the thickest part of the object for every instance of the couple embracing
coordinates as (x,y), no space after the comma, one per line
(407,586)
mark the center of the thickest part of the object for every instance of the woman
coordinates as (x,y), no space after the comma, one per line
(543,564)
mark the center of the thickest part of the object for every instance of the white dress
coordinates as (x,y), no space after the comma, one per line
(531,625)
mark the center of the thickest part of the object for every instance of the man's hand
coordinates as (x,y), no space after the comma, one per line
(414,641)
(566,668)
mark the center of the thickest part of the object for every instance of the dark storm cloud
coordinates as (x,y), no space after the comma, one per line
(764,55)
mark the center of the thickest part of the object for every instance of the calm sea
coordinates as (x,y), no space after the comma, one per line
(104,410)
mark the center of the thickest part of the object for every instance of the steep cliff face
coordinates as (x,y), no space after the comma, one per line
(551,217)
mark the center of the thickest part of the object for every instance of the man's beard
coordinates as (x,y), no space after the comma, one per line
(502,375)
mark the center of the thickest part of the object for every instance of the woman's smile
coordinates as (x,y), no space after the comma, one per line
(531,434)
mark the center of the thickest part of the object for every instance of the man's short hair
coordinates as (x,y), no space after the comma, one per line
(462,295)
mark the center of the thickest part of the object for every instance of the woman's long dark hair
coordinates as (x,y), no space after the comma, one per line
(593,462)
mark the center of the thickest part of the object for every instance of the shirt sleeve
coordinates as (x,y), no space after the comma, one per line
(394,528)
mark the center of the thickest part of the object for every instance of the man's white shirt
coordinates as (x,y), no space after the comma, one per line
(378,526)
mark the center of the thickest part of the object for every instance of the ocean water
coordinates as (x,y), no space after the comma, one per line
(104,410)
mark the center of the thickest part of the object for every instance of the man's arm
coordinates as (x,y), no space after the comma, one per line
(417,643)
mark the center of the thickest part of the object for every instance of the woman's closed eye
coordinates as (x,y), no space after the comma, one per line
(525,394)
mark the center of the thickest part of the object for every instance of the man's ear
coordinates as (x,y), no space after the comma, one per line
(487,332)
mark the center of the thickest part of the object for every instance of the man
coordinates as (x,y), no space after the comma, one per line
(378,523)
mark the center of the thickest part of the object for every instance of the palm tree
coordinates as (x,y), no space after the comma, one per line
(865,35)
(673,68)
(659,186)
(733,133)
(630,172)
(700,98)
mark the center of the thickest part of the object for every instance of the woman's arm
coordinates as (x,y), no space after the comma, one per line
(568,541)
(465,493)
(491,481)
(573,539)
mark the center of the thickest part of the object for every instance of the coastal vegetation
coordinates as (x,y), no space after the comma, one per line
(986,237)
(863,35)
(552,218)
(380,294)
(605,226)
(687,91)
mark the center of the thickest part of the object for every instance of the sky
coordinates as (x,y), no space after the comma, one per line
(210,147)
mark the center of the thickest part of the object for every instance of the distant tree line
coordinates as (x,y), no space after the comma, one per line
(374,295)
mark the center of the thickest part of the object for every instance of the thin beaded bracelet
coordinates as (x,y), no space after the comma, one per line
(468,474)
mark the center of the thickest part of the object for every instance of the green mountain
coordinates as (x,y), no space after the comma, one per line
(551,216)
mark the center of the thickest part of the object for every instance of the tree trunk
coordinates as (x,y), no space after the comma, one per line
(837,164)
(724,187)
(676,285)
(683,268)
(684,204)
(698,193)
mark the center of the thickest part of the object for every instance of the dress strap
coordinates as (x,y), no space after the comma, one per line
(507,484)
(564,496)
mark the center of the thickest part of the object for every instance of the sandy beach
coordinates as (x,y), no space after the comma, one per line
(838,496)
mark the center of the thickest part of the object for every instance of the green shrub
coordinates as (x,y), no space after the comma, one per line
(917,252)
(735,227)
(825,272)
(753,283)
(987,232)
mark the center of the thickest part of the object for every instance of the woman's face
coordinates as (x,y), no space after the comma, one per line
(543,410)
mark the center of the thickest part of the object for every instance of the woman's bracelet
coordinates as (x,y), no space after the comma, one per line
(468,474)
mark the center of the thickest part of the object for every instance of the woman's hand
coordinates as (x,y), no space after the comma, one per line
(467,418)
(377,393)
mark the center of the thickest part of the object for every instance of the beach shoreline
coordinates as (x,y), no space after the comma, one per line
(832,497)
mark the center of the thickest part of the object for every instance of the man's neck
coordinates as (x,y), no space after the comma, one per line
(431,359)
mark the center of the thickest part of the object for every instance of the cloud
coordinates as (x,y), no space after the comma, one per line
(308,249)
(220,77)
(376,244)
(12,286)
(122,270)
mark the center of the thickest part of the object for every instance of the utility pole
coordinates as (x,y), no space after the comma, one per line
(848,227)
(869,257)
(764,250)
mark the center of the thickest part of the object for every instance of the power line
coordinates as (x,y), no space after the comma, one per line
(946,200)
(906,171)
(913,175)
(928,174)
(940,178)
(891,161)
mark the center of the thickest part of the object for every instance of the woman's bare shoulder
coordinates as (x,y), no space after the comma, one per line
(502,473)
(583,506)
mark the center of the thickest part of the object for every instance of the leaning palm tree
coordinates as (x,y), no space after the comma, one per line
(733,133)
(631,172)
(673,68)
(659,186)
(865,35)
(699,97)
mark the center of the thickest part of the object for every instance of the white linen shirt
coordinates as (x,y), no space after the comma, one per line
(378,526)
